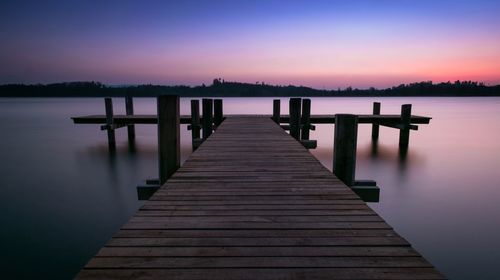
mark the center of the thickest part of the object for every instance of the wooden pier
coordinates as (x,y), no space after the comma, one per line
(252,203)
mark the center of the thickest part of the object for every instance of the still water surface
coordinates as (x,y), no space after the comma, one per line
(63,195)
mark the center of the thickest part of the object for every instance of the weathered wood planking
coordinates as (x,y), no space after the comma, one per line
(252,203)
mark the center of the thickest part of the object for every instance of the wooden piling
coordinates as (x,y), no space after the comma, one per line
(207,117)
(129,111)
(294,108)
(375,126)
(306,118)
(195,123)
(218,112)
(108,103)
(404,132)
(168,136)
(344,147)
(276,110)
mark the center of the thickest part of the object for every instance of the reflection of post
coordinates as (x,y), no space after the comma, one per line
(295,117)
(129,110)
(108,102)
(168,136)
(218,112)
(207,117)
(344,147)
(306,118)
(404,132)
(375,126)
(195,122)
(276,110)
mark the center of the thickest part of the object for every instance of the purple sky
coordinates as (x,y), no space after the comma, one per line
(324,44)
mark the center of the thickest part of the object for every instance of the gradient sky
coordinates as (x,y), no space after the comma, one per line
(323,44)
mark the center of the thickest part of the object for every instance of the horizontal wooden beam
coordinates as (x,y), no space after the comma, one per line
(399,126)
(287,127)
(186,119)
(112,126)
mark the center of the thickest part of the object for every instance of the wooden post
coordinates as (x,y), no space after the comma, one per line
(168,136)
(218,112)
(294,109)
(375,126)
(195,122)
(207,117)
(129,110)
(404,132)
(306,118)
(276,110)
(108,103)
(344,147)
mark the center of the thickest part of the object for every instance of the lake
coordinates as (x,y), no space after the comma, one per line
(64,195)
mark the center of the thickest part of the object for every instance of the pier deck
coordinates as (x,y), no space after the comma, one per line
(252,203)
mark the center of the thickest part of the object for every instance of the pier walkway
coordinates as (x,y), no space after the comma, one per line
(252,203)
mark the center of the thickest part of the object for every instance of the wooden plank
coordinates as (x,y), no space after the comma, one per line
(333,251)
(265,273)
(258,241)
(255,262)
(215,233)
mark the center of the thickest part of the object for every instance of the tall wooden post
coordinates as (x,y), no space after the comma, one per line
(306,118)
(129,111)
(276,110)
(207,117)
(218,112)
(108,103)
(168,136)
(375,126)
(195,122)
(294,109)
(404,132)
(344,147)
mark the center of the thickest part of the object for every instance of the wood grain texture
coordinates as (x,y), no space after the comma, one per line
(252,203)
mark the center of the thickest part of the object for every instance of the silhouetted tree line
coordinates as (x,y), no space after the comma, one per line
(220,87)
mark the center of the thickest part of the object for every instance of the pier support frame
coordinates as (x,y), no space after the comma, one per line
(294,109)
(306,118)
(108,103)
(375,126)
(195,124)
(168,136)
(218,112)
(344,158)
(344,147)
(276,110)
(404,132)
(129,111)
(207,105)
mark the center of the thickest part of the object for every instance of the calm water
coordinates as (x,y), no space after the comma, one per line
(63,195)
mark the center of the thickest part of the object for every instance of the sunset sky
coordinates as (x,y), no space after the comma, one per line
(323,44)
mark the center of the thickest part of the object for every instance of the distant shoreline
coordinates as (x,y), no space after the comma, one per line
(221,88)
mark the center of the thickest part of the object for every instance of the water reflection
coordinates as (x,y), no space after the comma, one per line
(443,190)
